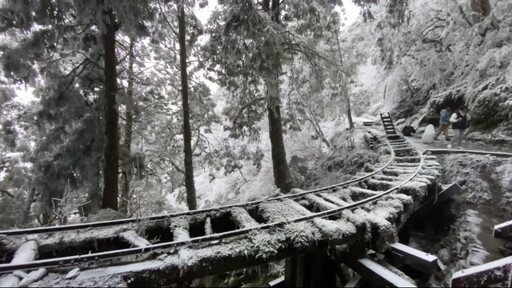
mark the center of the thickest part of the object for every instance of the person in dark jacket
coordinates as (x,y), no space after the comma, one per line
(459,121)
(444,124)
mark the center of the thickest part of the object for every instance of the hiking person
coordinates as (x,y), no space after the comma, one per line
(459,121)
(444,123)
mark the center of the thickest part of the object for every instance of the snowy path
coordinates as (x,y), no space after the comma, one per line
(441,144)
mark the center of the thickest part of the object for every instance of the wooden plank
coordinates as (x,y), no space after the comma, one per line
(503,231)
(378,274)
(334,199)
(208,226)
(354,189)
(134,239)
(27,252)
(242,218)
(492,273)
(356,281)
(180,228)
(448,192)
(415,258)
(277,283)
(480,152)
(320,203)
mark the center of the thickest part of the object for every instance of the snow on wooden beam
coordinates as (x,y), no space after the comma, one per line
(379,274)
(179,228)
(496,272)
(320,203)
(407,159)
(362,190)
(356,281)
(208,226)
(334,199)
(242,218)
(414,258)
(27,252)
(297,207)
(380,184)
(9,280)
(503,231)
(33,277)
(277,283)
(134,239)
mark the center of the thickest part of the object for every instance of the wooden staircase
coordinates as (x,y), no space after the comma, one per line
(389,127)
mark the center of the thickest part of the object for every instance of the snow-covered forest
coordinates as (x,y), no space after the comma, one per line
(131,108)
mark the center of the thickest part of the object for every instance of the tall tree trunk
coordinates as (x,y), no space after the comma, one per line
(341,90)
(128,167)
(187,133)
(110,191)
(93,197)
(26,209)
(480,9)
(282,177)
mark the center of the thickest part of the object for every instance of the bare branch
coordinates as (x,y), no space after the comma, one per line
(4,192)
(247,105)
(167,20)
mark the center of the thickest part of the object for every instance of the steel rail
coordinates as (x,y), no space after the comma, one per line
(436,151)
(73,260)
(51,229)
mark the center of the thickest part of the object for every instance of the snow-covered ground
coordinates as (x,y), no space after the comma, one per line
(249,183)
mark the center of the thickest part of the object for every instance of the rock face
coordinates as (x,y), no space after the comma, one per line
(492,105)
(469,64)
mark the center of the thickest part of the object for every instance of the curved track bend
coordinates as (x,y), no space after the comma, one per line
(405,168)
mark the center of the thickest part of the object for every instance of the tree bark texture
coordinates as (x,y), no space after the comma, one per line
(26,209)
(128,131)
(341,90)
(110,191)
(187,133)
(480,9)
(282,177)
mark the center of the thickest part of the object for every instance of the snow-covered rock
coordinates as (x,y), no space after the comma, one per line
(9,280)
(73,273)
(33,277)
(428,135)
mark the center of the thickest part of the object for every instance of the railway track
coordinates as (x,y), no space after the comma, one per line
(437,151)
(77,245)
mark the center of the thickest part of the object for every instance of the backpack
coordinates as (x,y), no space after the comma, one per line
(408,130)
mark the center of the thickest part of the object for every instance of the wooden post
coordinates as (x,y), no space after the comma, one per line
(503,231)
(322,270)
(496,272)
(294,271)
(314,269)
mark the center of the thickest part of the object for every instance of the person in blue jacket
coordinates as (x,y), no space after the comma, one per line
(444,124)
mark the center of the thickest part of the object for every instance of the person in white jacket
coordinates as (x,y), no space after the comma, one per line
(459,120)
